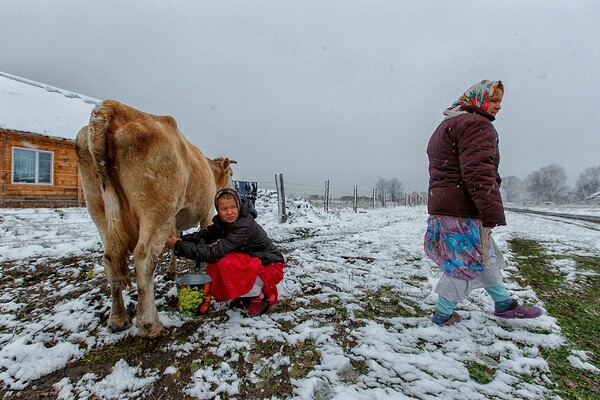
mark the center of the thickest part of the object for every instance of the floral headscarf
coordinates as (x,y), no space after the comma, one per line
(477,95)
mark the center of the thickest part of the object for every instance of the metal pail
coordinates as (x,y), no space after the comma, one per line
(194,294)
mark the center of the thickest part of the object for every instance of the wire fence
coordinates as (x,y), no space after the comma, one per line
(45,226)
(314,191)
(56,224)
(316,194)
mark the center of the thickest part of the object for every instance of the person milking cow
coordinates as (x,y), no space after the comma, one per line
(243,262)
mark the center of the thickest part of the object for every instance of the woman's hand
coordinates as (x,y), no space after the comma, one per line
(171,240)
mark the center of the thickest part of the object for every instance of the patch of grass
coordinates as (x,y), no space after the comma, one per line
(351,374)
(480,373)
(419,278)
(360,366)
(340,311)
(130,349)
(576,307)
(303,358)
(274,380)
(337,316)
(207,360)
(386,303)
(330,303)
(286,306)
(352,260)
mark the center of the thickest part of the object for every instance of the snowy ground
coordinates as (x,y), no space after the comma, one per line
(355,299)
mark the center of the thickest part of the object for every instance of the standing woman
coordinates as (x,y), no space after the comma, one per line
(464,203)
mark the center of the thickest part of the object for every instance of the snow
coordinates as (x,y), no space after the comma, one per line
(334,259)
(124,382)
(33,107)
(579,359)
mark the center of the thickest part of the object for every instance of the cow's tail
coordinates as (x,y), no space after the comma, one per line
(102,150)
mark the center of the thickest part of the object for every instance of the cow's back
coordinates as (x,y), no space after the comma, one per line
(159,169)
(151,166)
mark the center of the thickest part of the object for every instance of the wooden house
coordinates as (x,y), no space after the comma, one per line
(415,199)
(38,126)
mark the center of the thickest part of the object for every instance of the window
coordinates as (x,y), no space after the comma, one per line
(32,166)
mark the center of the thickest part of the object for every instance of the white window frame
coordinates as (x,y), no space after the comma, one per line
(36,166)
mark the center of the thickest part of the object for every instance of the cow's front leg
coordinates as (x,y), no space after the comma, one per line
(147,315)
(118,319)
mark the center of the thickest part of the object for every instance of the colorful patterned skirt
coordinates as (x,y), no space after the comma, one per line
(465,252)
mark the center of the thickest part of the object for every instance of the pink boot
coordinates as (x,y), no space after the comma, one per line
(257,306)
(519,311)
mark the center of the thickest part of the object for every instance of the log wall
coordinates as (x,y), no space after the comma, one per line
(64,191)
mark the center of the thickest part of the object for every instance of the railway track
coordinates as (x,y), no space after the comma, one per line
(578,217)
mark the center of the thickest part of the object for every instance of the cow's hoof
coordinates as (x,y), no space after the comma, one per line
(153,332)
(119,326)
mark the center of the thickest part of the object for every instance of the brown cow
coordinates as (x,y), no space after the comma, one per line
(142,180)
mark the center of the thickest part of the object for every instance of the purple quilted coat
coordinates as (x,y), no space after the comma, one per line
(463,168)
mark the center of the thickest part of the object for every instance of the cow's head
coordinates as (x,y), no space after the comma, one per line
(221,168)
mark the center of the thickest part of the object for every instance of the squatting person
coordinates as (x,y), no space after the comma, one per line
(243,262)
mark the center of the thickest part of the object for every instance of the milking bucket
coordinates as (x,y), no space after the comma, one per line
(194,294)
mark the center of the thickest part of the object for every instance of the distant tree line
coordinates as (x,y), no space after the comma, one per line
(549,184)
(385,191)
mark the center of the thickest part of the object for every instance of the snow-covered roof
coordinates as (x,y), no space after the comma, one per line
(33,107)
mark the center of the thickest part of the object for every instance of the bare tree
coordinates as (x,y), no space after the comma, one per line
(395,189)
(511,188)
(547,184)
(588,182)
(390,188)
(380,186)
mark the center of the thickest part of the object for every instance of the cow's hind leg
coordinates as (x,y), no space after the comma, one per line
(146,254)
(118,319)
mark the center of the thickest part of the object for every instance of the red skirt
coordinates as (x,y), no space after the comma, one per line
(235,274)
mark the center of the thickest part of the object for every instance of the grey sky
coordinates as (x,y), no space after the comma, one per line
(347,90)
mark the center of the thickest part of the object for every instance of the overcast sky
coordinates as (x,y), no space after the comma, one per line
(346,90)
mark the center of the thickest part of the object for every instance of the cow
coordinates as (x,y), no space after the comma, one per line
(142,180)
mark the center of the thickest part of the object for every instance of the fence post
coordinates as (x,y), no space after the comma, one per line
(355,198)
(280,198)
(373,198)
(326,198)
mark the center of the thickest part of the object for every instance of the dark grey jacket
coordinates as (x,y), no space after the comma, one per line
(244,235)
